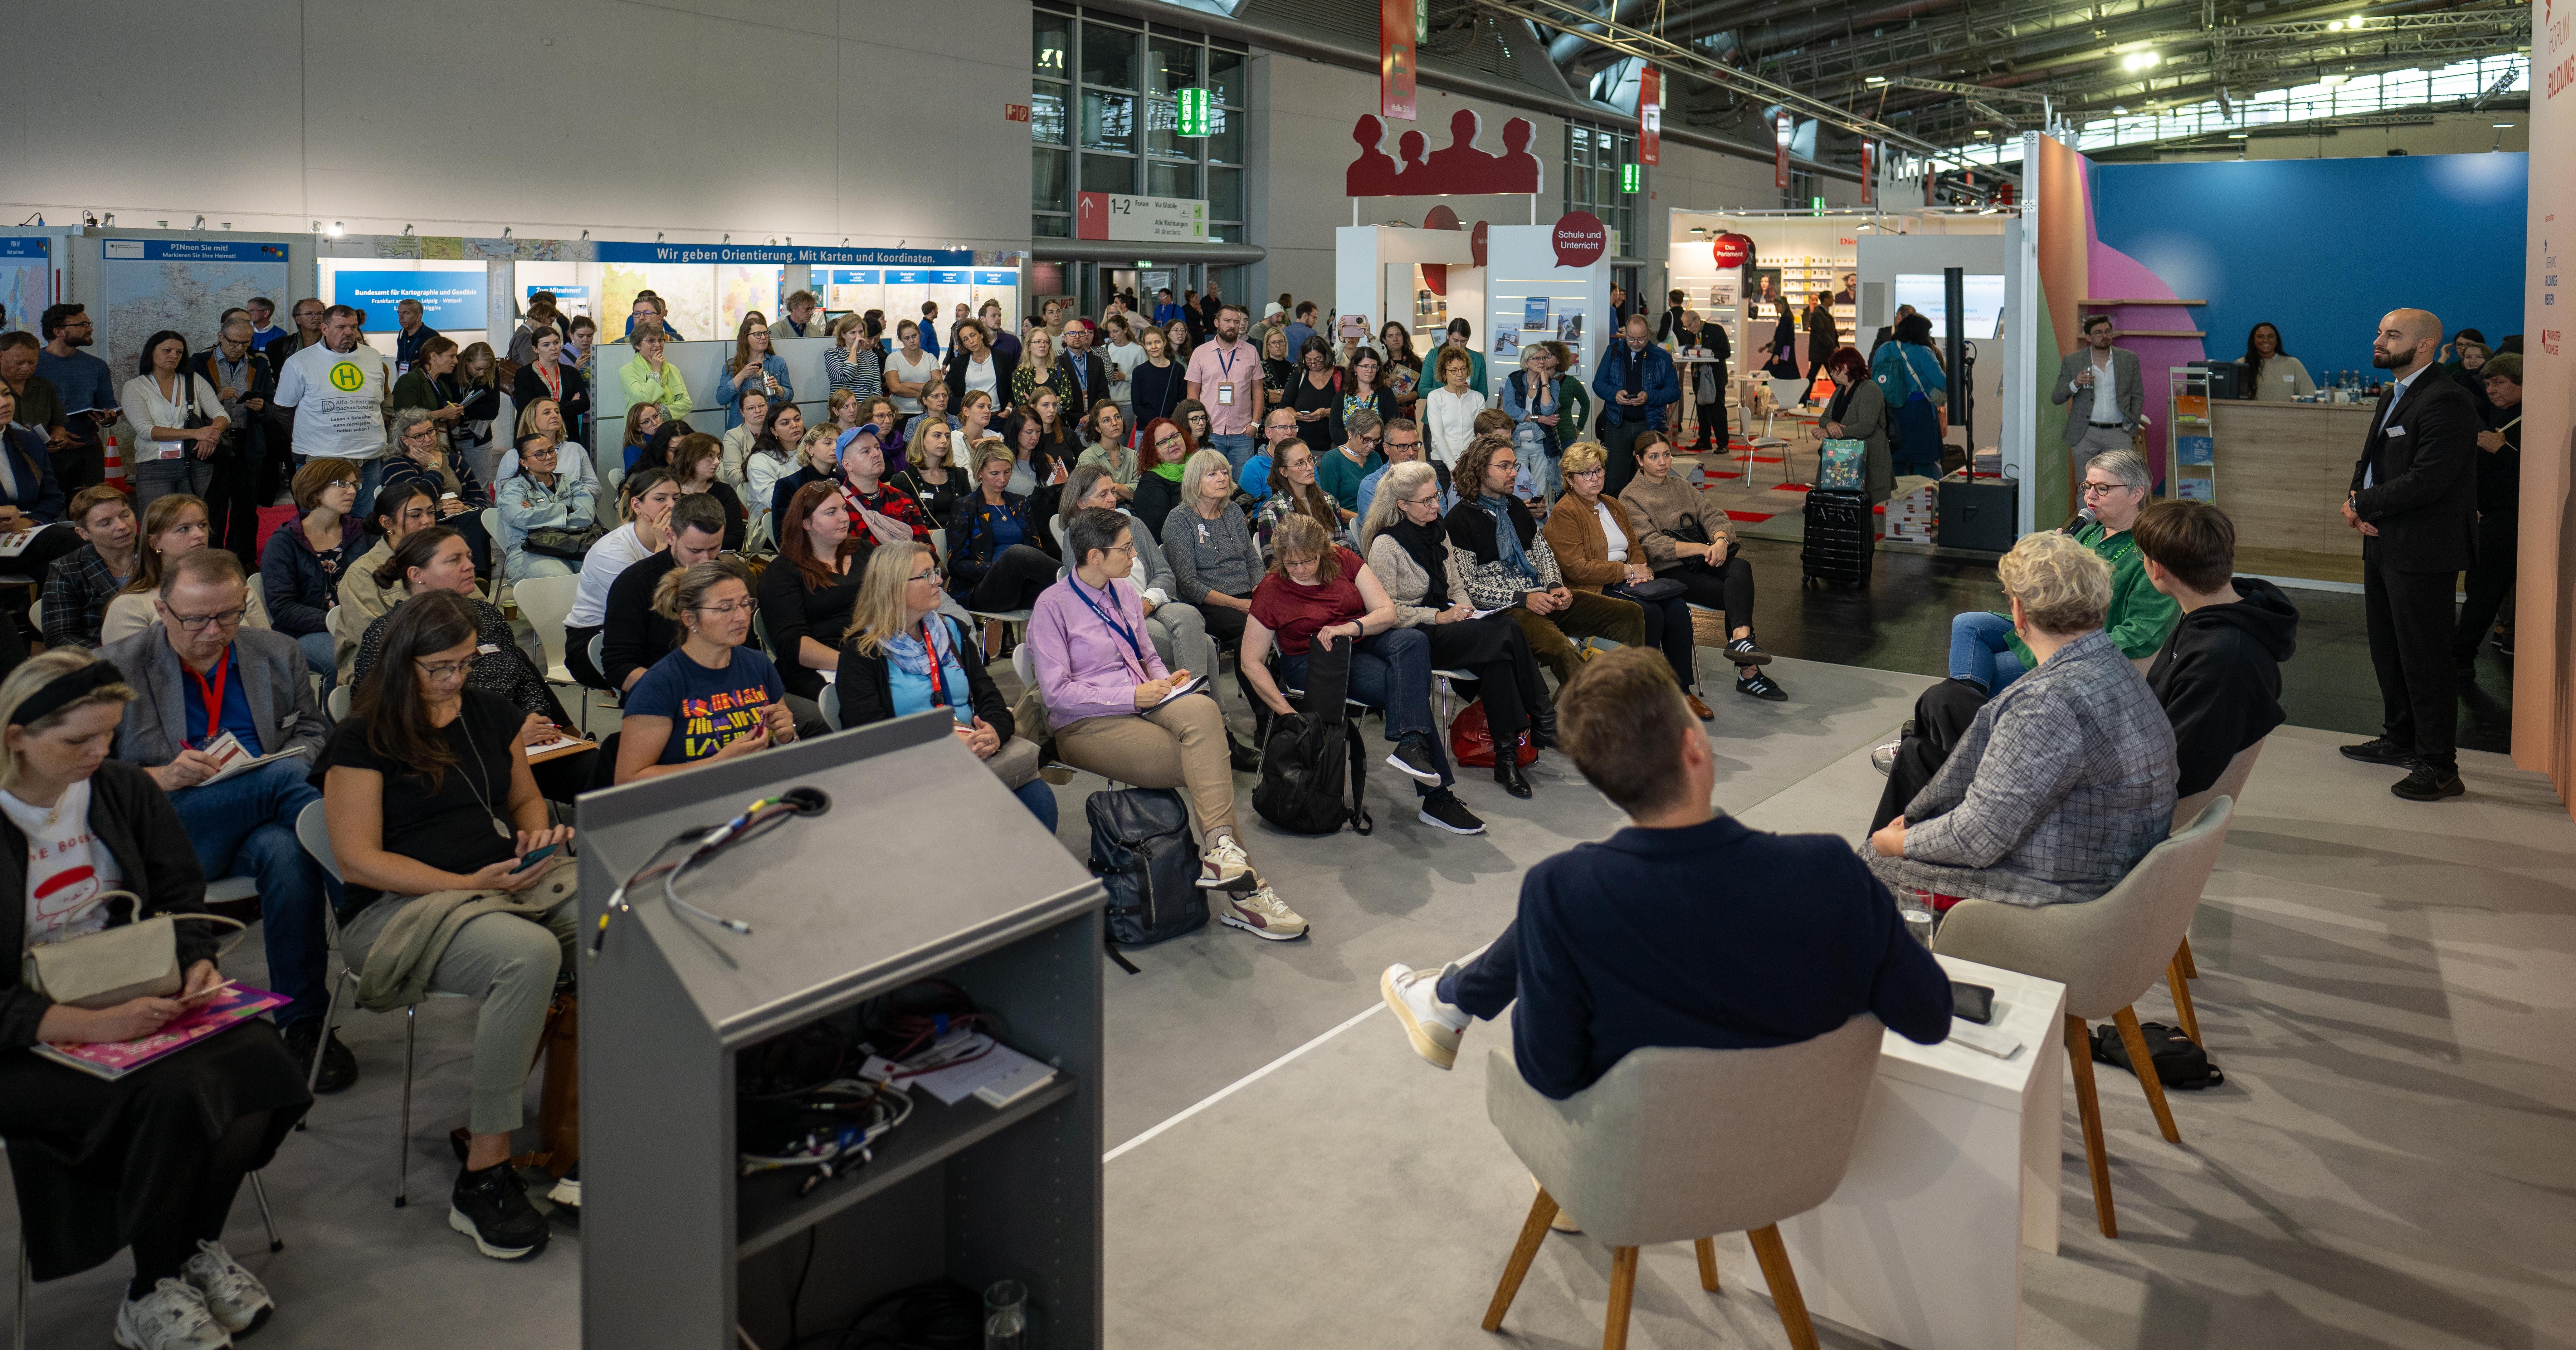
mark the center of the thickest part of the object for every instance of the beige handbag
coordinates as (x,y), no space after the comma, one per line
(113,965)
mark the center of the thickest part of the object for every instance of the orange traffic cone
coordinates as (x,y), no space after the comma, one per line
(115,464)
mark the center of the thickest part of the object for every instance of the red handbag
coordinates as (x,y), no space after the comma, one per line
(1471,741)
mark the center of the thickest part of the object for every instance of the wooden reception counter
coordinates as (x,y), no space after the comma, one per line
(2282,471)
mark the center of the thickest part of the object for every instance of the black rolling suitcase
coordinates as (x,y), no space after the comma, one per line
(1840,537)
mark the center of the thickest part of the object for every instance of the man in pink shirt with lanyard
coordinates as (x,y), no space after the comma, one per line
(1225,377)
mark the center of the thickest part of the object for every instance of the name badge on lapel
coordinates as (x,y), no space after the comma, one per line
(2397,431)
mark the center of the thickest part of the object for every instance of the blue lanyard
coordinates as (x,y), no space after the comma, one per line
(1117,626)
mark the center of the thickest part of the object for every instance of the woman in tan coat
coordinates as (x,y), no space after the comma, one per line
(1597,550)
(1686,539)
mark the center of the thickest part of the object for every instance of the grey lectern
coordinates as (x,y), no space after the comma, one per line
(924,865)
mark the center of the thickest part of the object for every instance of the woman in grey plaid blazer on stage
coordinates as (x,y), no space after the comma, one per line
(2064,780)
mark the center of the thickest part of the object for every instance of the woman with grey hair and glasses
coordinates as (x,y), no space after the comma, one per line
(1983,647)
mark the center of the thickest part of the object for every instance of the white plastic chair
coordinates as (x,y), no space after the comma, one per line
(500,556)
(830,702)
(546,602)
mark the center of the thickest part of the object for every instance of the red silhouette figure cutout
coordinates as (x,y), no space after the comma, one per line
(1460,169)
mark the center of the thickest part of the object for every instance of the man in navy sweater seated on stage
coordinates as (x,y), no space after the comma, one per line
(1684,929)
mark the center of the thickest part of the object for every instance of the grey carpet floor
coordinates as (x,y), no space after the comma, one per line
(2385,984)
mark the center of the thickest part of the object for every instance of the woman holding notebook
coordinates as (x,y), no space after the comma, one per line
(152,1158)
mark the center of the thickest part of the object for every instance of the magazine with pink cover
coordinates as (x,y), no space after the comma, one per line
(112,1060)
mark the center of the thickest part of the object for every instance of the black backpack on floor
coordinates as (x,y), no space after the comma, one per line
(2179,1063)
(1142,852)
(1305,753)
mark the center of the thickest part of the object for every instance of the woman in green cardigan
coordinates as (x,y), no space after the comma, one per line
(650,379)
(1983,647)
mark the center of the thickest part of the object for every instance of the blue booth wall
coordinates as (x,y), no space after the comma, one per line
(2321,248)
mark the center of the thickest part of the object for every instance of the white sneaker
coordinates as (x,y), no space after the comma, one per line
(1433,1026)
(1224,867)
(1883,757)
(172,1317)
(234,1295)
(1262,914)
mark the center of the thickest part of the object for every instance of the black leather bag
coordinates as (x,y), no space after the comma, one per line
(1305,753)
(1142,852)
(570,545)
(2178,1062)
(1652,591)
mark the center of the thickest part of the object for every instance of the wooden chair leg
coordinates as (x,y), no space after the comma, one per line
(2088,1110)
(1707,1263)
(2180,984)
(1791,1305)
(1533,1232)
(2136,1041)
(2182,954)
(1623,1291)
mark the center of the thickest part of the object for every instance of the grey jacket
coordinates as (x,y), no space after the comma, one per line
(1866,420)
(2079,415)
(2061,784)
(269,665)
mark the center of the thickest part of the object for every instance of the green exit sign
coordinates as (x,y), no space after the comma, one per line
(1193,106)
(1632,178)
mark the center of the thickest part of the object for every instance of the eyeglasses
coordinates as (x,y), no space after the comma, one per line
(919,577)
(443,670)
(1128,549)
(1584,473)
(728,607)
(2100,489)
(196,623)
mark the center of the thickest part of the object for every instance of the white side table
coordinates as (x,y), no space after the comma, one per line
(1958,1166)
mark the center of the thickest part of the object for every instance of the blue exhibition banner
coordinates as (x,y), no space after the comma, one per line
(949,278)
(855,276)
(192,250)
(25,246)
(616,252)
(985,277)
(456,299)
(569,299)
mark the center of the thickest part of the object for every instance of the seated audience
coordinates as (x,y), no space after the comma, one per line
(1341,472)
(1039,455)
(1986,650)
(2061,782)
(645,499)
(903,656)
(173,527)
(1684,929)
(1512,568)
(2219,672)
(543,419)
(1402,443)
(1687,539)
(817,461)
(643,419)
(1320,592)
(541,497)
(713,696)
(545,378)
(1215,563)
(1596,550)
(890,511)
(397,511)
(933,483)
(649,377)
(695,462)
(997,562)
(434,559)
(1178,630)
(1104,431)
(300,566)
(1109,701)
(1426,576)
(420,452)
(432,810)
(81,583)
(1292,491)
(636,635)
(1278,428)
(199,672)
(154,1159)
(1162,447)
(30,496)
(808,591)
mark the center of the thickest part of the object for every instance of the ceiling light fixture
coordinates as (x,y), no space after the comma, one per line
(337,229)
(2139,60)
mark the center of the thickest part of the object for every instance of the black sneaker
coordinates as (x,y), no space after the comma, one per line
(492,1208)
(339,1067)
(2429,784)
(1759,685)
(1412,758)
(1240,757)
(1443,809)
(2381,750)
(1744,651)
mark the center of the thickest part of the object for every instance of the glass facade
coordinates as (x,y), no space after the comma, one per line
(1593,158)
(1102,118)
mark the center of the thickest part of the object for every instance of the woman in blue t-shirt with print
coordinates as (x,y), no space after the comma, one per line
(714,697)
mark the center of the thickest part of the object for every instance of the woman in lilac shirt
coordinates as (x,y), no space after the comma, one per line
(1111,704)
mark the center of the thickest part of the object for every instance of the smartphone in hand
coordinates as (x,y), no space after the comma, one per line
(535,856)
